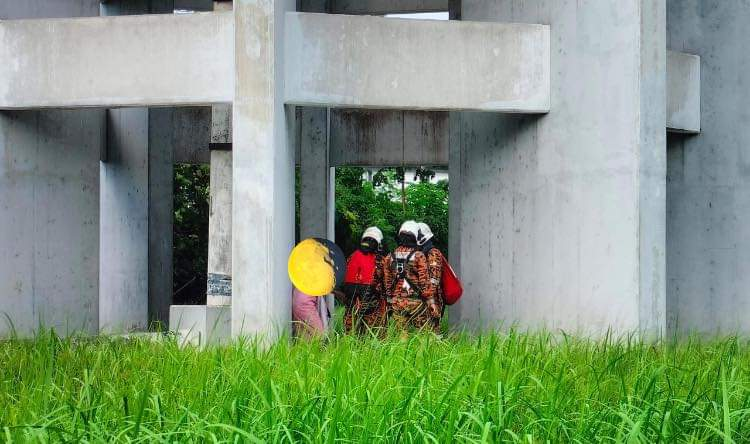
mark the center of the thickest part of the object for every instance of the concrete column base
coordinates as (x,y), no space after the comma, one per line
(200,325)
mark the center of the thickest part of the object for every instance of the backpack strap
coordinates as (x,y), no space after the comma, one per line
(403,275)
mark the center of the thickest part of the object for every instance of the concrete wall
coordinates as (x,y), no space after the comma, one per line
(49,204)
(561,219)
(708,195)
(338,60)
(90,62)
(49,214)
(124,222)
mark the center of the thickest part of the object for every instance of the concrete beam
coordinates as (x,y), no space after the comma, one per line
(387,138)
(183,59)
(338,60)
(683,92)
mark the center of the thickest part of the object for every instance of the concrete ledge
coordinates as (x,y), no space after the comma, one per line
(182,59)
(683,93)
(201,325)
(373,62)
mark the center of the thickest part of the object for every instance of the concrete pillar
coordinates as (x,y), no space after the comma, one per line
(49,205)
(220,216)
(136,202)
(263,172)
(708,194)
(317,184)
(562,216)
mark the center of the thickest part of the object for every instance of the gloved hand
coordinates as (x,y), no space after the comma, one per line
(433,308)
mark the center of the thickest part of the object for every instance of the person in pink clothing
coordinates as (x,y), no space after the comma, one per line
(306,320)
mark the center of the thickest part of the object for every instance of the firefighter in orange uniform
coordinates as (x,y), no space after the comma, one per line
(410,295)
(435,261)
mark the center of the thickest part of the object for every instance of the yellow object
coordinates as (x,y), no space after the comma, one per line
(310,268)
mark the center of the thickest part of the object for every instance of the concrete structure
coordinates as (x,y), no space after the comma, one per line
(566,211)
(708,176)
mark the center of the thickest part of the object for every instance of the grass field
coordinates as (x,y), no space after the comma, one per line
(493,388)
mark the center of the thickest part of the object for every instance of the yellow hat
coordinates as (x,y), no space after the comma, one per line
(313,266)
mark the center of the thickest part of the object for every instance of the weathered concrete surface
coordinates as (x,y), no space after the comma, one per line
(387,138)
(683,92)
(374,7)
(161,130)
(562,216)
(263,176)
(102,62)
(220,230)
(191,134)
(49,218)
(37,9)
(49,205)
(338,60)
(200,325)
(137,219)
(123,266)
(221,124)
(708,195)
(317,184)
(314,173)
(136,7)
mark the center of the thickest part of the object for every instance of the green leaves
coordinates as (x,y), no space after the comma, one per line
(361,203)
(514,387)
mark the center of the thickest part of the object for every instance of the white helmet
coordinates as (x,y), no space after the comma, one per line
(410,227)
(425,234)
(374,233)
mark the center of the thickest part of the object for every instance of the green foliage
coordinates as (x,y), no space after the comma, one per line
(514,387)
(190,250)
(361,203)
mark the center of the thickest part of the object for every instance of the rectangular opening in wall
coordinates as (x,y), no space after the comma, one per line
(190,241)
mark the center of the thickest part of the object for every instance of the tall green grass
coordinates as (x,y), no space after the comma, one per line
(512,387)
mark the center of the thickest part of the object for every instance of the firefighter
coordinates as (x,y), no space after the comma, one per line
(362,292)
(435,261)
(410,296)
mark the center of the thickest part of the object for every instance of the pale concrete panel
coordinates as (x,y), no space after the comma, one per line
(338,60)
(708,237)
(124,228)
(49,218)
(103,61)
(683,92)
(263,172)
(652,169)
(388,138)
(220,230)
(199,325)
(552,208)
